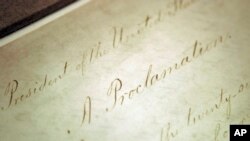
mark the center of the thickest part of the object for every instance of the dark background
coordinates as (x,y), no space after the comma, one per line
(16,14)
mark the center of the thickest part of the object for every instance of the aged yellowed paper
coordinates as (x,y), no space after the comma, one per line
(115,70)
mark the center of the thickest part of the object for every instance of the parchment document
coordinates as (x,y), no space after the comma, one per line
(134,70)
